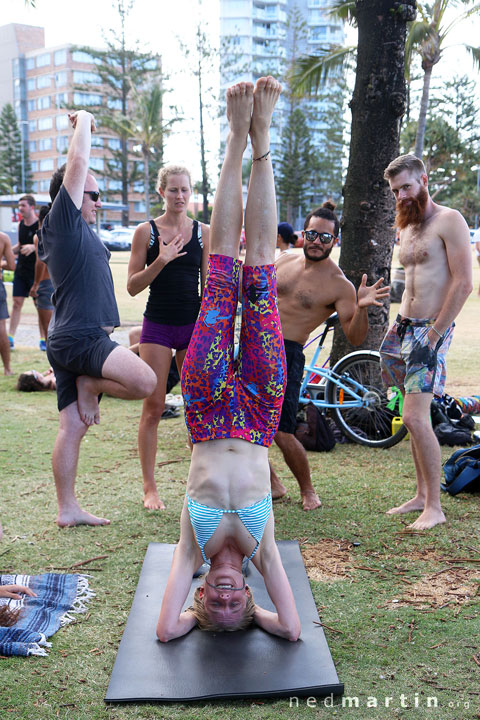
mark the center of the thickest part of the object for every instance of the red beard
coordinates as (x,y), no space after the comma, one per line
(411,211)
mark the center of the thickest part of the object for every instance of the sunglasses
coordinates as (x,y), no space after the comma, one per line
(94,194)
(325,238)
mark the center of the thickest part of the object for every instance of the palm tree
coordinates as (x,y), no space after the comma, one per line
(426,36)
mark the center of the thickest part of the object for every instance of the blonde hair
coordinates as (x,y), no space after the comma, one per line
(404,162)
(168,170)
(204,621)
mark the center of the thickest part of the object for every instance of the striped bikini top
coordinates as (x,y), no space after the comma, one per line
(205,520)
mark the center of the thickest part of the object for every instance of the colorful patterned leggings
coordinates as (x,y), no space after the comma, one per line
(235,399)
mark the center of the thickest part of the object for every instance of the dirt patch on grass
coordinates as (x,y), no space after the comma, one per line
(451,584)
(327,560)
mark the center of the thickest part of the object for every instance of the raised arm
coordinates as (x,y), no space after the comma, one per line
(285,621)
(172,622)
(352,308)
(40,270)
(78,156)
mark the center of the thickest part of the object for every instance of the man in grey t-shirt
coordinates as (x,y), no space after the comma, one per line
(85,361)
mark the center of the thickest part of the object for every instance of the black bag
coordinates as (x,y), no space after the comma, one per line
(448,434)
(462,471)
(315,433)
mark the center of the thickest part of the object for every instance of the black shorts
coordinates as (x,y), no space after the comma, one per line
(73,355)
(22,285)
(295,366)
(3,302)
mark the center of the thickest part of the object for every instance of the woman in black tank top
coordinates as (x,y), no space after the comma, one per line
(169,255)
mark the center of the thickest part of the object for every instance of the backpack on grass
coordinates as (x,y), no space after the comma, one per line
(462,471)
(314,433)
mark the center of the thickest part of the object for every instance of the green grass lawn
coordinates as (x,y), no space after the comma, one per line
(401,611)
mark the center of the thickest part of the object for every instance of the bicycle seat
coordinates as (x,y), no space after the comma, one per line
(332,320)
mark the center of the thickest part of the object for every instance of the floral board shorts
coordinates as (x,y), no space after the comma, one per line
(225,398)
(409,361)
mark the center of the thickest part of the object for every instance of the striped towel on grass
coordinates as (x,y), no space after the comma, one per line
(59,597)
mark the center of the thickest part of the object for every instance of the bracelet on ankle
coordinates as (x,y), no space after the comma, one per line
(262,157)
(440,335)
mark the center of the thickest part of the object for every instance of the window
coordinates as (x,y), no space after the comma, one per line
(60,57)
(114,185)
(31,84)
(30,63)
(31,105)
(44,144)
(62,143)
(61,99)
(43,81)
(45,165)
(32,125)
(32,146)
(82,77)
(139,186)
(34,185)
(97,163)
(43,60)
(114,103)
(97,141)
(33,165)
(139,207)
(61,122)
(86,99)
(43,103)
(44,186)
(114,143)
(60,79)
(101,183)
(45,123)
(82,57)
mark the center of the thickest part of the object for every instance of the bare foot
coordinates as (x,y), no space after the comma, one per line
(7,371)
(151,501)
(428,519)
(310,500)
(77,516)
(416,503)
(265,96)
(87,400)
(239,109)
(278,489)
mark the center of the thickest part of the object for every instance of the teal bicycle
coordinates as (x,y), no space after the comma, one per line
(353,392)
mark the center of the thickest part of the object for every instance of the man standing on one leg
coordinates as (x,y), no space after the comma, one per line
(85,361)
(25,270)
(310,288)
(435,252)
(7,261)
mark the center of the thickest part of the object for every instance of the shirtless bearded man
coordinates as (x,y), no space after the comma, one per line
(310,288)
(435,252)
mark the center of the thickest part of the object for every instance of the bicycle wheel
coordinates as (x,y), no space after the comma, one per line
(370,422)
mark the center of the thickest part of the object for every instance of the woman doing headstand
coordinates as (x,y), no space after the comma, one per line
(232,409)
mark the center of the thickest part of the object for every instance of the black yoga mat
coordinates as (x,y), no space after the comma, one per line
(207,665)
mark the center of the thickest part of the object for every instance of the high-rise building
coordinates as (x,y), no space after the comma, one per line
(42,83)
(260,37)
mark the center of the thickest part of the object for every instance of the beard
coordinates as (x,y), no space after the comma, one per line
(411,211)
(315,257)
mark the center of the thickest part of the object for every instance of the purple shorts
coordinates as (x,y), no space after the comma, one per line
(175,337)
(225,398)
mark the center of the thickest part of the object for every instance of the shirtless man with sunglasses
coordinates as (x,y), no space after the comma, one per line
(310,288)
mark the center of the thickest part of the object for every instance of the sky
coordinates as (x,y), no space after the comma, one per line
(158,26)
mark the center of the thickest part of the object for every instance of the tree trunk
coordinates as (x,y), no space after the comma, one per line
(146,174)
(203,160)
(377,105)
(422,116)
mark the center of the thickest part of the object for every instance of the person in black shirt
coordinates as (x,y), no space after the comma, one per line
(25,270)
(85,361)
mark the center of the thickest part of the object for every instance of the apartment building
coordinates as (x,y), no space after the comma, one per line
(44,83)
(257,38)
